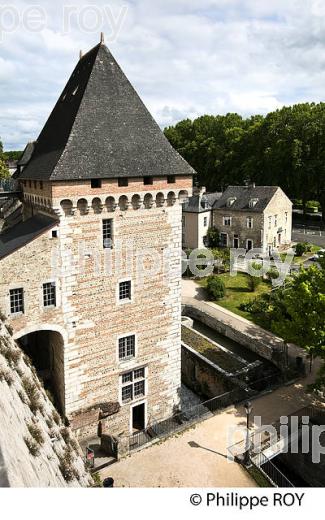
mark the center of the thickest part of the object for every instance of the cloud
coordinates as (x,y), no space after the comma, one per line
(184,57)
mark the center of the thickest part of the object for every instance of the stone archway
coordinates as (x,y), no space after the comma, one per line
(45,348)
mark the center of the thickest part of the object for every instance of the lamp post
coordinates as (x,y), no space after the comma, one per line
(248,409)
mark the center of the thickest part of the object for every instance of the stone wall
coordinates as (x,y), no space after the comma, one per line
(202,376)
(88,315)
(265,345)
(18,466)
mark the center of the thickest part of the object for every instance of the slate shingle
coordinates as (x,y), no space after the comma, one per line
(99,128)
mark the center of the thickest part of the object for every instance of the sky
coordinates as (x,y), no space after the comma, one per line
(185,58)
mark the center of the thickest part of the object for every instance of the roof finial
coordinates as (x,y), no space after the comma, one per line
(102,37)
(80,54)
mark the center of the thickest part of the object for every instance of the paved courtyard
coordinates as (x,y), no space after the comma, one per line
(198,456)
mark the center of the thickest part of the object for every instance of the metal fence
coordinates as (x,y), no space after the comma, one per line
(271,472)
(184,418)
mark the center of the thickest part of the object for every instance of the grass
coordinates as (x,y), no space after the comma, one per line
(237,292)
(210,351)
(258,476)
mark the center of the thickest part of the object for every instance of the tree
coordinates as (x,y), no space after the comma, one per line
(301,248)
(4,172)
(296,313)
(213,236)
(216,287)
(284,148)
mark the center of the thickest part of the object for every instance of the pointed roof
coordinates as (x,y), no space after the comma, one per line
(99,128)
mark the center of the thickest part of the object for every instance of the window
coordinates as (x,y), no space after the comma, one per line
(54,233)
(49,294)
(171,179)
(35,184)
(270,222)
(96,183)
(125,290)
(275,220)
(223,239)
(147,180)
(41,185)
(123,181)
(183,221)
(205,221)
(126,347)
(30,183)
(127,393)
(16,301)
(133,385)
(286,217)
(249,222)
(227,221)
(107,233)
(231,201)
(252,203)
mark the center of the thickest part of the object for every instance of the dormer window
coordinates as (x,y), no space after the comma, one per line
(231,201)
(252,203)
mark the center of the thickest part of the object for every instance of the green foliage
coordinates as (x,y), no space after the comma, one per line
(213,237)
(97,480)
(296,312)
(272,274)
(4,172)
(301,248)
(284,148)
(216,287)
(12,155)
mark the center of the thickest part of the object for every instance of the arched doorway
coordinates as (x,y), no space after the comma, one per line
(45,348)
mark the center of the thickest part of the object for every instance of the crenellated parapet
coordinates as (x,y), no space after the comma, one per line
(124,202)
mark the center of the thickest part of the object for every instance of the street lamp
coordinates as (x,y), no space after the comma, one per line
(248,409)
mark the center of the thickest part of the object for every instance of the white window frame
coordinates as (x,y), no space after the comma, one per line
(127,361)
(224,221)
(18,313)
(137,400)
(57,303)
(102,233)
(249,222)
(205,221)
(275,220)
(270,222)
(126,300)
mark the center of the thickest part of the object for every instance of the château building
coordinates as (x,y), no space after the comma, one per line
(90,278)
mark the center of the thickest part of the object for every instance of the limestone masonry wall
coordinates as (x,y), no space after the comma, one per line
(36,449)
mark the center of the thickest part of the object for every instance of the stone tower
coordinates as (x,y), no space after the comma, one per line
(90,279)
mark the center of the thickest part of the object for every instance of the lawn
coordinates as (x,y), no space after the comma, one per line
(210,351)
(237,292)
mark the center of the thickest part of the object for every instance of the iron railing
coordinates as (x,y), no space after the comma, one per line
(184,418)
(271,471)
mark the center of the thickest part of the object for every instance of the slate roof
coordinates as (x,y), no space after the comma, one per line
(24,232)
(243,194)
(193,204)
(99,128)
